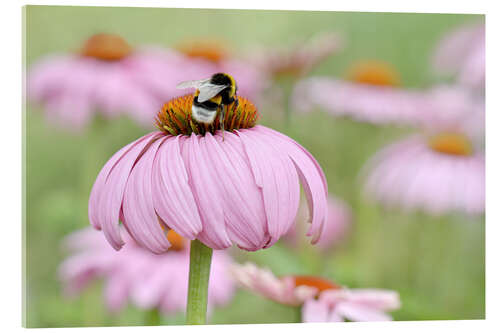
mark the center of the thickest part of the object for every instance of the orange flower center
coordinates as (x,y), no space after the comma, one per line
(175,117)
(451,144)
(106,47)
(213,51)
(177,242)
(316,282)
(374,72)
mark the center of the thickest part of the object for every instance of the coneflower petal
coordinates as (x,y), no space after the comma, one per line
(206,193)
(138,210)
(116,293)
(291,176)
(273,172)
(112,192)
(242,201)
(358,312)
(172,196)
(312,178)
(152,290)
(97,188)
(315,311)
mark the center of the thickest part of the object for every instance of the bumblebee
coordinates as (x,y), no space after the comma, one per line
(212,95)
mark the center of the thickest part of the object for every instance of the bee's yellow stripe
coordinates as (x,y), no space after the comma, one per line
(233,85)
(216,99)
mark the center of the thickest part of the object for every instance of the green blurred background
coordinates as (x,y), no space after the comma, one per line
(436,264)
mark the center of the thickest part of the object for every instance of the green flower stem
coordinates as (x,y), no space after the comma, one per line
(298,314)
(199,275)
(287,83)
(152,317)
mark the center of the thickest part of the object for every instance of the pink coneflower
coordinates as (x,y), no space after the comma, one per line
(336,226)
(452,108)
(299,59)
(135,274)
(351,304)
(242,189)
(369,93)
(461,52)
(322,300)
(380,104)
(192,59)
(111,77)
(287,65)
(437,173)
(107,75)
(216,189)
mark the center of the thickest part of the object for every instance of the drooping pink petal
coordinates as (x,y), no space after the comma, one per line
(290,177)
(274,173)
(462,52)
(138,210)
(376,298)
(58,106)
(358,312)
(97,188)
(312,178)
(244,211)
(172,196)
(154,283)
(116,292)
(335,229)
(44,77)
(110,200)
(206,193)
(315,311)
(77,271)
(221,289)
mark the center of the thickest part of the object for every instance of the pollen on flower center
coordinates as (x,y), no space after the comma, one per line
(451,144)
(175,117)
(176,241)
(316,282)
(106,47)
(374,73)
(213,51)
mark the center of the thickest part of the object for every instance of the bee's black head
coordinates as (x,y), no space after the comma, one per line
(222,79)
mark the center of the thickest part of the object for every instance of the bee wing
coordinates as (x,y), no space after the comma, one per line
(192,84)
(209,90)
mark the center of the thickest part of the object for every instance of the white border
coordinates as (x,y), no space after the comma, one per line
(10,250)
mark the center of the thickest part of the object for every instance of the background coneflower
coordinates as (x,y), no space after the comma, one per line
(106,75)
(134,274)
(321,300)
(437,173)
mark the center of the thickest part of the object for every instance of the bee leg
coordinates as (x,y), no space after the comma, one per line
(222,114)
(236,103)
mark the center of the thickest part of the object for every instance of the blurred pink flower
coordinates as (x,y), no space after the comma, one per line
(453,109)
(461,52)
(300,59)
(136,82)
(336,225)
(148,280)
(351,304)
(439,173)
(362,102)
(243,188)
(322,299)
(265,283)
(375,104)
